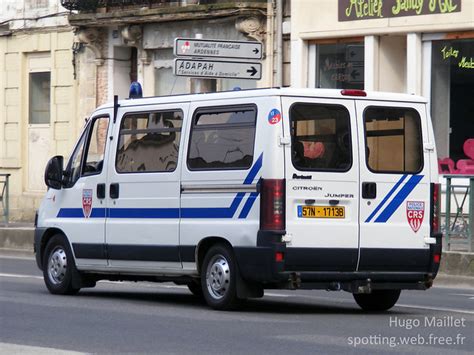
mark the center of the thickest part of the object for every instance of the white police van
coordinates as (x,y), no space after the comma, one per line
(232,193)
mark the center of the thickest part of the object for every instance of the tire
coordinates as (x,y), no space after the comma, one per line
(378,300)
(195,288)
(58,267)
(218,278)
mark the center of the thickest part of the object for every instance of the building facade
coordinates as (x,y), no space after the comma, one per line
(133,40)
(37,96)
(57,64)
(416,47)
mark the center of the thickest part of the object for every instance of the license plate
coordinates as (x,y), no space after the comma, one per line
(321,212)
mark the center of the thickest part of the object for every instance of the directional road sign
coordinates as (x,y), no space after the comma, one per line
(192,47)
(217,69)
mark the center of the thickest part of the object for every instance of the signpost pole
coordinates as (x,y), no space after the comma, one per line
(202,85)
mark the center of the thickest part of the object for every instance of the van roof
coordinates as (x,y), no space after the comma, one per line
(323,93)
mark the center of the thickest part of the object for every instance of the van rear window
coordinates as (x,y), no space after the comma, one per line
(320,137)
(222,138)
(393,140)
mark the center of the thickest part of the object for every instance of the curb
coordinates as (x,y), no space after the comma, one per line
(20,238)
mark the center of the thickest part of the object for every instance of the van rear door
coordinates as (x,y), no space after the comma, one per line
(322,184)
(395,186)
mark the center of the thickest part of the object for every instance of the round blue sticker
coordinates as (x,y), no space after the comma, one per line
(274,116)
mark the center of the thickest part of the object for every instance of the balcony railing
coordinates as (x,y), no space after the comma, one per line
(93,5)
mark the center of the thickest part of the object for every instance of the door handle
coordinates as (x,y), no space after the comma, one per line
(114,190)
(100,191)
(369,190)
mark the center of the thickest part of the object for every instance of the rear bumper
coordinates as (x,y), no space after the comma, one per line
(258,264)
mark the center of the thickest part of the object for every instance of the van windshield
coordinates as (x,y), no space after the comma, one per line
(320,137)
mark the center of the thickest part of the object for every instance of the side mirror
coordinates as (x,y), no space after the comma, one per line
(53,176)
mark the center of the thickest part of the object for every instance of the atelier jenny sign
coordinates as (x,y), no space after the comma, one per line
(351,10)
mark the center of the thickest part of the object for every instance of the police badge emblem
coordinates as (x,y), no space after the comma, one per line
(87,202)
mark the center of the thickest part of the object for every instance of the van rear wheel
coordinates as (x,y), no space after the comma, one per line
(58,267)
(218,278)
(378,300)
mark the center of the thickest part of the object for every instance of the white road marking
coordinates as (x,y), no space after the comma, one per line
(6,348)
(440,309)
(21,276)
(19,257)
(271,294)
(463,295)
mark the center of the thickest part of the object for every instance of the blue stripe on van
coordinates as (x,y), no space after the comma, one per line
(248,205)
(398,199)
(253,172)
(143,213)
(78,213)
(191,212)
(394,188)
(213,212)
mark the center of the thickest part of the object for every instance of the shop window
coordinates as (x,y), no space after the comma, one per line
(222,138)
(149,142)
(452,106)
(320,137)
(393,140)
(340,66)
(39,98)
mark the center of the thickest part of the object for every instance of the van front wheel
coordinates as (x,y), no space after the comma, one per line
(58,267)
(218,278)
(378,300)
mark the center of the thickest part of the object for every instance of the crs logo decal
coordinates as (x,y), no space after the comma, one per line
(415,214)
(274,116)
(87,202)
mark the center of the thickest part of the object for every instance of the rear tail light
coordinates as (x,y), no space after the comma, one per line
(436,258)
(435,208)
(272,204)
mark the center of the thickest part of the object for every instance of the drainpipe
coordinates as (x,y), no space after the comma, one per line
(279,43)
(270,44)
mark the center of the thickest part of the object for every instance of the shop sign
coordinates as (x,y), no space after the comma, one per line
(351,10)
(451,53)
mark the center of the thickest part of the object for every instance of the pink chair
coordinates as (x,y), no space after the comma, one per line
(446,166)
(466,166)
(468,148)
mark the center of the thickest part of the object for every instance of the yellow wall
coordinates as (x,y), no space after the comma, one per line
(16,52)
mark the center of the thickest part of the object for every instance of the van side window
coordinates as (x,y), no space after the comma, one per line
(149,142)
(73,169)
(94,158)
(393,140)
(222,138)
(320,137)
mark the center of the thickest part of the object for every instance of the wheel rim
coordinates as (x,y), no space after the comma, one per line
(57,266)
(218,277)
